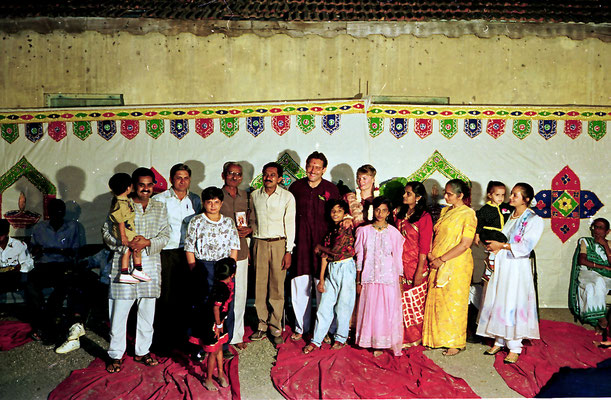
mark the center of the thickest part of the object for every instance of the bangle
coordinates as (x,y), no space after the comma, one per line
(358,282)
(219,326)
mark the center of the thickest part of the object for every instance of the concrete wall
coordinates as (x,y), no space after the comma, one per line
(185,68)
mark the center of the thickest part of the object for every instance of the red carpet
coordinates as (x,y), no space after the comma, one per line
(14,334)
(562,344)
(354,373)
(177,378)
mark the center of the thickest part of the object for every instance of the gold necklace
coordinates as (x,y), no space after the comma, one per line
(379,228)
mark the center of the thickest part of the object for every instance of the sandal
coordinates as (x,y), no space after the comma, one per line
(327,339)
(223,382)
(447,352)
(295,337)
(511,358)
(114,365)
(310,348)
(338,346)
(377,353)
(146,360)
(492,351)
(603,345)
(209,385)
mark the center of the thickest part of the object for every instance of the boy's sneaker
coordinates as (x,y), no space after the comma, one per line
(68,346)
(127,278)
(141,275)
(76,331)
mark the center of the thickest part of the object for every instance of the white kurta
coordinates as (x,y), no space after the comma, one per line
(510,306)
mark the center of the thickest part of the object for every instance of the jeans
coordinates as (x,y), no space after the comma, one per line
(336,301)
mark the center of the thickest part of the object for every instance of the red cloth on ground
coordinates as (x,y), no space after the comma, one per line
(355,373)
(562,344)
(14,334)
(174,378)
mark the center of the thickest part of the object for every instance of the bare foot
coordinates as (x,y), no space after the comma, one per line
(377,353)
(241,346)
(451,352)
(223,381)
(209,384)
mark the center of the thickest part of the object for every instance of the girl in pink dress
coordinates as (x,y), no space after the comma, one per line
(379,247)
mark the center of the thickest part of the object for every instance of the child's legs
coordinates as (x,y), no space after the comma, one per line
(212,361)
(137,256)
(346,279)
(324,314)
(125,261)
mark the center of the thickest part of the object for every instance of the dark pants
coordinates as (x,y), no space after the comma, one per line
(49,275)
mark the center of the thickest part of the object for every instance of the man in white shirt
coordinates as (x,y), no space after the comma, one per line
(15,259)
(273,222)
(171,314)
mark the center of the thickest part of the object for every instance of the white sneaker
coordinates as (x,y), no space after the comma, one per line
(127,278)
(76,331)
(68,346)
(141,275)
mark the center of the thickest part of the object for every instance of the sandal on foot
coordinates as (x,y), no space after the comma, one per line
(295,337)
(492,351)
(146,360)
(511,358)
(338,346)
(447,352)
(310,348)
(223,382)
(327,339)
(377,353)
(209,385)
(114,365)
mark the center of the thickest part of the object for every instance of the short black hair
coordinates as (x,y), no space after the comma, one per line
(56,205)
(140,172)
(492,185)
(317,156)
(179,167)
(603,220)
(5,227)
(230,164)
(212,192)
(527,191)
(119,183)
(224,268)
(337,202)
(274,164)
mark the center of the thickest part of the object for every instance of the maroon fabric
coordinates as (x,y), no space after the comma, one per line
(14,334)
(562,344)
(174,378)
(356,373)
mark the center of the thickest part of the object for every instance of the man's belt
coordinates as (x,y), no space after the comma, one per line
(271,239)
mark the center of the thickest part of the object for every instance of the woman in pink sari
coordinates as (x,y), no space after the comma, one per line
(416,226)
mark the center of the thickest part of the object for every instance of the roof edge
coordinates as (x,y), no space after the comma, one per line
(359,29)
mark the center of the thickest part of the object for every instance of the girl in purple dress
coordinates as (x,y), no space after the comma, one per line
(379,247)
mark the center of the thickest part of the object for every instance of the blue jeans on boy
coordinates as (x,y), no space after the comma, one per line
(337,301)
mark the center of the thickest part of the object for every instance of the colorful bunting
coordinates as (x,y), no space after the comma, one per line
(281,124)
(306,123)
(130,128)
(398,127)
(204,127)
(255,125)
(154,128)
(33,131)
(572,128)
(82,129)
(376,126)
(495,127)
(179,128)
(448,128)
(229,126)
(597,129)
(473,127)
(10,132)
(57,130)
(330,123)
(423,127)
(521,128)
(547,128)
(107,129)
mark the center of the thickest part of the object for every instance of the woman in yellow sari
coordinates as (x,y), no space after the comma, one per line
(451,267)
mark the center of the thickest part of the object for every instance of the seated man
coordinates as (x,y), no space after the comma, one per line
(591,276)
(55,244)
(15,260)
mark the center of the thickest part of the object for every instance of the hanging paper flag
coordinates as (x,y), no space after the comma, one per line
(154,127)
(57,130)
(473,127)
(597,129)
(33,131)
(521,128)
(229,126)
(376,126)
(423,127)
(179,127)
(255,125)
(10,132)
(572,128)
(82,129)
(330,123)
(107,129)
(495,127)
(130,128)
(547,128)
(204,127)
(448,127)
(161,184)
(306,123)
(281,124)
(398,127)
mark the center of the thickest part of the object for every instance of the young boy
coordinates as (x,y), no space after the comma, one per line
(122,215)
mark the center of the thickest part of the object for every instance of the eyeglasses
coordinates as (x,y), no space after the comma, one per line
(233,173)
(597,227)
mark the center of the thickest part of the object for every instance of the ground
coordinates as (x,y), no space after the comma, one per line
(32,371)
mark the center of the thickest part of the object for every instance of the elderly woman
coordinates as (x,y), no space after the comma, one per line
(360,201)
(451,265)
(415,224)
(509,311)
(591,276)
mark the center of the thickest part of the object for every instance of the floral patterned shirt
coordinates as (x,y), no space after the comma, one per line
(340,241)
(209,240)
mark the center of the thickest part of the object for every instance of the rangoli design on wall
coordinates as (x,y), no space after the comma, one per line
(566,203)
(292,172)
(23,168)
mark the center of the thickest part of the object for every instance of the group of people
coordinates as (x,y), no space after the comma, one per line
(393,277)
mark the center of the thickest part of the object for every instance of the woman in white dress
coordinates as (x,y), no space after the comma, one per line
(509,311)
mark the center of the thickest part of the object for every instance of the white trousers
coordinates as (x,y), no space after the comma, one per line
(118,311)
(301,293)
(515,346)
(239,302)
